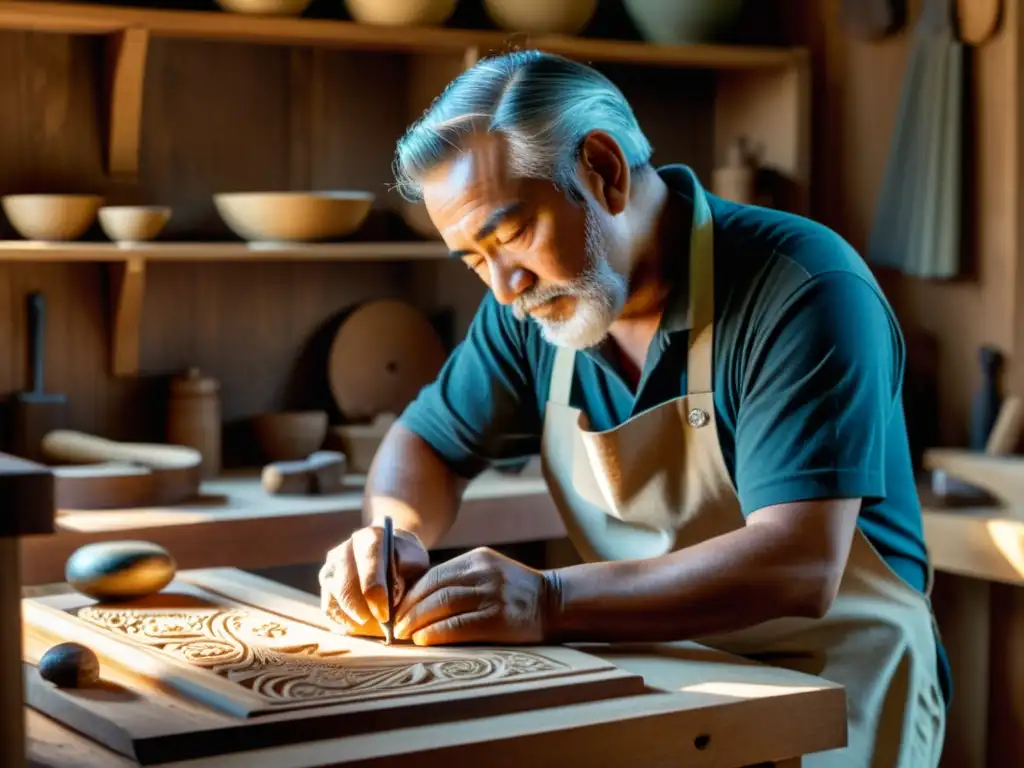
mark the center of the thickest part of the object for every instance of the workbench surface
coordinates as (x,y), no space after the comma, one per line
(234,511)
(234,522)
(702,708)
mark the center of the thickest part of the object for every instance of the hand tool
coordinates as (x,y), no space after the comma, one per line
(111,474)
(322,472)
(389,579)
(35,412)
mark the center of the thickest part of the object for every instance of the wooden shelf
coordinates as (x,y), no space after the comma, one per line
(70,18)
(127,271)
(129,30)
(29,250)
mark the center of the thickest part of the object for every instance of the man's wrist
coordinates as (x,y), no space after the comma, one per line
(551,605)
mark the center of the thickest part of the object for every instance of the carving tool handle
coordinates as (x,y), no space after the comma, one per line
(389,579)
(36,306)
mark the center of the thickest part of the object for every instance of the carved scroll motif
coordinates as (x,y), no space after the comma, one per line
(285,661)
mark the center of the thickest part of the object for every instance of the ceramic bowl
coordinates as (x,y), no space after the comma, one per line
(51,217)
(541,17)
(290,435)
(133,223)
(293,216)
(401,13)
(678,22)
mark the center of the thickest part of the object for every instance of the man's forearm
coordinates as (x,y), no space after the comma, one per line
(410,482)
(724,584)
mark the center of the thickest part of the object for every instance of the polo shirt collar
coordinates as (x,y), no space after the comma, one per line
(676,317)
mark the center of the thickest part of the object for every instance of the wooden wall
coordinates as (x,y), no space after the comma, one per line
(855,101)
(231,117)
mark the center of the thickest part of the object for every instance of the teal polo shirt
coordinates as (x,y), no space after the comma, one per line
(808,377)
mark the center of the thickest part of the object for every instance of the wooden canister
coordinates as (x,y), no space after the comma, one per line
(193,418)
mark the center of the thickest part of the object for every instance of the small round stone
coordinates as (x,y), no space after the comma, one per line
(120,570)
(70,665)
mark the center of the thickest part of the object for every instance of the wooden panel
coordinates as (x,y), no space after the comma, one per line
(241,658)
(217,117)
(96,19)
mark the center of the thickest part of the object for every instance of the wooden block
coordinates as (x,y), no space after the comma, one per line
(222,661)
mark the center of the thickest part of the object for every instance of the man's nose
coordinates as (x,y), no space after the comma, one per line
(509,280)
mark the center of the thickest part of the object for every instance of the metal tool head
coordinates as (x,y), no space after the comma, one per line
(389,556)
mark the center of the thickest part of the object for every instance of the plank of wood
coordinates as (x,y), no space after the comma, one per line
(199,25)
(698,701)
(1002,476)
(24,250)
(234,522)
(27,491)
(982,543)
(278,678)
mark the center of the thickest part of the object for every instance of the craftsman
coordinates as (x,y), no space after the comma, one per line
(714,390)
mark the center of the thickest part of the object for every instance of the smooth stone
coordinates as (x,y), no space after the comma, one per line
(120,570)
(70,665)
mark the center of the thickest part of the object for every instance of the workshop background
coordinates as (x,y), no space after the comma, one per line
(262,328)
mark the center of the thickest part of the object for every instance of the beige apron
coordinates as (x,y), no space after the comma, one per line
(658,483)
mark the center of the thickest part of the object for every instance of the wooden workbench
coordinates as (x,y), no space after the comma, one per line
(703,708)
(978,553)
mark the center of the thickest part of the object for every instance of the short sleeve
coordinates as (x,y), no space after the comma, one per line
(482,407)
(820,385)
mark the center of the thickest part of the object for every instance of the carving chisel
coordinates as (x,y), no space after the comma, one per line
(389,579)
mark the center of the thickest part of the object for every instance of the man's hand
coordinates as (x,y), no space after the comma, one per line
(478,597)
(353,589)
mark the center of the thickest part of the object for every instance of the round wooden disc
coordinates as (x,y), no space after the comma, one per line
(381,357)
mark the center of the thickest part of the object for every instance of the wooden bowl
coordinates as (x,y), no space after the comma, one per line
(51,217)
(401,13)
(133,223)
(293,216)
(265,7)
(290,435)
(541,17)
(418,220)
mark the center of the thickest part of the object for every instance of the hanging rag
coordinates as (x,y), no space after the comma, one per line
(917,222)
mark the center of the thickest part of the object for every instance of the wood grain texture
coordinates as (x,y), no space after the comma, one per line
(243,648)
(697,701)
(223,116)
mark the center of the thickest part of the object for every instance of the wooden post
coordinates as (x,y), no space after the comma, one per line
(27,493)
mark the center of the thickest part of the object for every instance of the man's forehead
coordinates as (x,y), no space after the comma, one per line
(479,169)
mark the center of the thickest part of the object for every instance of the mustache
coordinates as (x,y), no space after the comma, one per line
(535,297)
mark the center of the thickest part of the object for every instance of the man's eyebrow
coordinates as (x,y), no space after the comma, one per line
(497,216)
(491,223)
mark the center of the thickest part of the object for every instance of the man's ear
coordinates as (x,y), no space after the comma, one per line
(603,171)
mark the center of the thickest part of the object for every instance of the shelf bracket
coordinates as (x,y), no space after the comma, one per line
(127,290)
(126,52)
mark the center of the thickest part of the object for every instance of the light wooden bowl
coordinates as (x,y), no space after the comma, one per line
(418,220)
(265,7)
(51,217)
(401,13)
(293,216)
(133,223)
(541,17)
(290,435)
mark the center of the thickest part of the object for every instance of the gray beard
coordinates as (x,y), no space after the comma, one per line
(600,294)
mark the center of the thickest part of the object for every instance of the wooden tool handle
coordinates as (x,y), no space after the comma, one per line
(81,448)
(322,472)
(1005,432)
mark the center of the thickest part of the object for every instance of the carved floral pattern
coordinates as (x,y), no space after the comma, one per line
(290,667)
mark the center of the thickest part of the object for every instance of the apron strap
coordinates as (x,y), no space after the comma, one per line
(699,366)
(561,376)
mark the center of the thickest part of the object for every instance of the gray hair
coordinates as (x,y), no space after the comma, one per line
(543,104)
